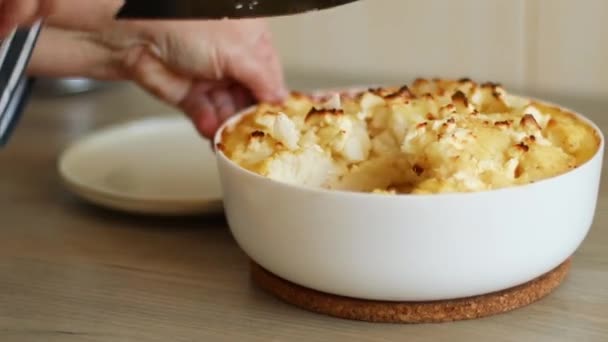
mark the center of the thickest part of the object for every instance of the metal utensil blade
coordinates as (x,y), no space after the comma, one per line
(220,9)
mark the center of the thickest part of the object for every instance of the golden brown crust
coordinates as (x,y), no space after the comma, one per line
(403,93)
(258,134)
(418,170)
(529,121)
(425,124)
(321,112)
(460,99)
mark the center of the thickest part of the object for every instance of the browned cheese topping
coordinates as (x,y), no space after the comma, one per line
(432,136)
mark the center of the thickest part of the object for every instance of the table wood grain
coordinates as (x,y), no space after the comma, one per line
(73,272)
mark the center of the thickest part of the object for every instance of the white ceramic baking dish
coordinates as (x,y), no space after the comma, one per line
(409,248)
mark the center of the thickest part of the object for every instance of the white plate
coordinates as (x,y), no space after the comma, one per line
(152,166)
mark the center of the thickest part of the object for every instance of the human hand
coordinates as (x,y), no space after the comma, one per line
(208,69)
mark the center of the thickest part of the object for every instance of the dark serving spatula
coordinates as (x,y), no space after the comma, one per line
(218,9)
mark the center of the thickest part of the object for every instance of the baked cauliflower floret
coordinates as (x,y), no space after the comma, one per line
(436,140)
(489,98)
(259,147)
(334,102)
(285,131)
(297,105)
(432,136)
(403,116)
(384,144)
(310,167)
(346,136)
(541,119)
(309,139)
(370,101)
(281,128)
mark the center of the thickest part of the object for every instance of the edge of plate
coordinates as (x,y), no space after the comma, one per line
(133,204)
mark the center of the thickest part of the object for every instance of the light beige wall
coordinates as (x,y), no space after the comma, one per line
(540,45)
(570,45)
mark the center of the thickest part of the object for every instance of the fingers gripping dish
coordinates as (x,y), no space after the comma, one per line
(433,136)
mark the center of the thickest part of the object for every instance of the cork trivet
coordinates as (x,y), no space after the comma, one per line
(411,312)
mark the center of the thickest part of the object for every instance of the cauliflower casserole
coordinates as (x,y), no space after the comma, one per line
(433,136)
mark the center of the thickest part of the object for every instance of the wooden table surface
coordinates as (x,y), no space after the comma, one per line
(72,272)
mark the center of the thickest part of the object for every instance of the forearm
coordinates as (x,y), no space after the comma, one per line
(63,53)
(208,69)
(67,44)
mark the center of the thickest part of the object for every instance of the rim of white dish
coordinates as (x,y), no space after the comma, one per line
(231,122)
(74,183)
